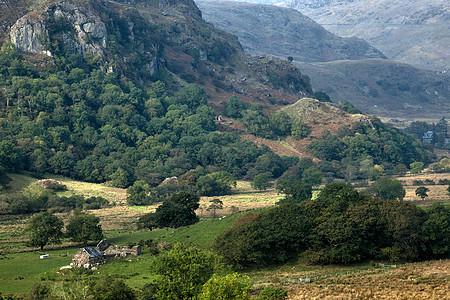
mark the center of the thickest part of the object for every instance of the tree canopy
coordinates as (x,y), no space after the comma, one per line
(45,228)
(83,228)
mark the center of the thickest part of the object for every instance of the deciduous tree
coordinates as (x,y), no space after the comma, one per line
(83,228)
(387,189)
(45,228)
(183,272)
(422,191)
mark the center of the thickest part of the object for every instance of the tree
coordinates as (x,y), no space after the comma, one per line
(189,200)
(192,95)
(321,96)
(138,193)
(299,129)
(234,107)
(345,227)
(312,176)
(436,231)
(84,227)
(295,190)
(260,182)
(280,123)
(422,192)
(147,221)
(403,222)
(272,237)
(174,215)
(45,228)
(120,178)
(215,205)
(416,167)
(228,287)
(387,189)
(183,272)
(216,184)
(11,158)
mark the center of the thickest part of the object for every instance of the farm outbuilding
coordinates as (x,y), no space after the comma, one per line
(87,257)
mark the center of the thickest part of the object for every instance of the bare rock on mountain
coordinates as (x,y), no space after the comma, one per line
(85,31)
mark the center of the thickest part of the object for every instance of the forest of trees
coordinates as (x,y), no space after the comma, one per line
(341,226)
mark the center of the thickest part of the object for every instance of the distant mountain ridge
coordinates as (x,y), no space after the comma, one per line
(414,32)
(377,86)
(283,32)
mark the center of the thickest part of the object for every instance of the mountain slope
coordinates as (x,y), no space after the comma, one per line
(415,32)
(377,86)
(141,39)
(283,32)
(384,87)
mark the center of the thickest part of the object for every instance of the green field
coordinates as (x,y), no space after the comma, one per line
(19,270)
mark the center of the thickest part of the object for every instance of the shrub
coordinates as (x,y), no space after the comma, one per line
(417,182)
(429,182)
(183,272)
(273,293)
(443,182)
(229,287)
(110,288)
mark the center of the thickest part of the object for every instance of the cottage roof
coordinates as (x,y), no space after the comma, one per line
(428,135)
(92,252)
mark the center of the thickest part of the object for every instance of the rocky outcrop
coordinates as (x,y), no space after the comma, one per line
(80,29)
(28,34)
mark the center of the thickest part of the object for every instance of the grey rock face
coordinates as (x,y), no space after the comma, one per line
(86,30)
(27,35)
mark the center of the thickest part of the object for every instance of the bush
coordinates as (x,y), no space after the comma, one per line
(138,193)
(444,181)
(429,182)
(273,293)
(229,287)
(183,272)
(110,288)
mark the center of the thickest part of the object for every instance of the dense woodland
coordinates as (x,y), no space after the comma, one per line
(78,121)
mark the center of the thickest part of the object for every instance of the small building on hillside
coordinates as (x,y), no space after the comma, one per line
(427,138)
(116,251)
(87,257)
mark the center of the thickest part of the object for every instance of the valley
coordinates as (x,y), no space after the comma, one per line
(210,160)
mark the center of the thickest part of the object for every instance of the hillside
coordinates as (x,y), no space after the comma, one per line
(414,32)
(283,32)
(383,87)
(104,91)
(144,40)
(377,86)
